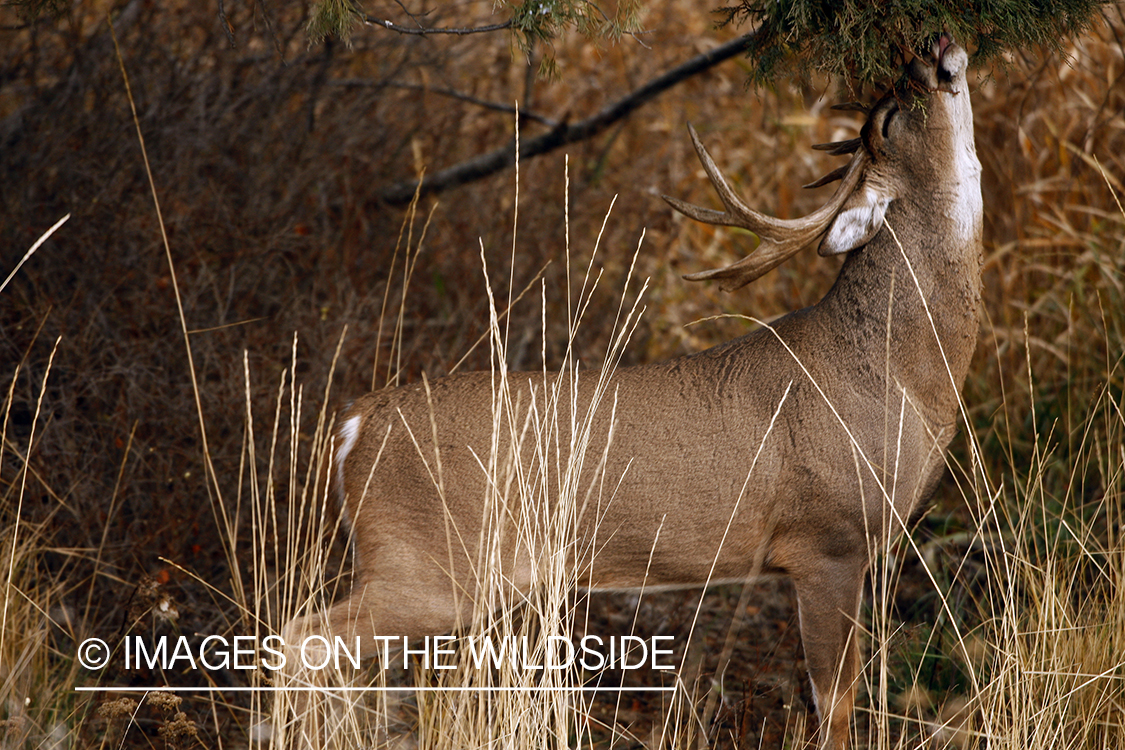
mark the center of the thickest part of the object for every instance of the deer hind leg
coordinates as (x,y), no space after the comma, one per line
(313,710)
(828,594)
(409,607)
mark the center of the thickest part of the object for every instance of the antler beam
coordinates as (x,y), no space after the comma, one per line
(781,239)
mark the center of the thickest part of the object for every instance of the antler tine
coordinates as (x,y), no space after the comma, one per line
(738,214)
(839,148)
(836,174)
(780,239)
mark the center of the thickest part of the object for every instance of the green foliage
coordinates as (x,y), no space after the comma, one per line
(864,41)
(543,20)
(333,18)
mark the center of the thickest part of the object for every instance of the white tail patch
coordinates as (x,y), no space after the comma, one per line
(349,433)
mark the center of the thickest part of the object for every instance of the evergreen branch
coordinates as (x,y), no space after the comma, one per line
(865,42)
(423,31)
(339,18)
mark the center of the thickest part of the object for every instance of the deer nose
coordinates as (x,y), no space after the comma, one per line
(941,44)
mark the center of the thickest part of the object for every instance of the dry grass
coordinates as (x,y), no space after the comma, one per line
(268,175)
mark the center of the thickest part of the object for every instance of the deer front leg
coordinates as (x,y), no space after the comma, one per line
(828,592)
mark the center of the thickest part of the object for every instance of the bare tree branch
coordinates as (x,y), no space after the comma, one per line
(273,32)
(423,31)
(564,133)
(451,93)
(226,24)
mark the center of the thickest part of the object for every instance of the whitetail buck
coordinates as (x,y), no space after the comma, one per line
(801,443)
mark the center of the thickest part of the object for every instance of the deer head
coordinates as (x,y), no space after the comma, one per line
(895,154)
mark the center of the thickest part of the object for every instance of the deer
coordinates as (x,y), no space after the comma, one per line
(790,450)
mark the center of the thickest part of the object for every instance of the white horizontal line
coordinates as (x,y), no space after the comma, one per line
(425,689)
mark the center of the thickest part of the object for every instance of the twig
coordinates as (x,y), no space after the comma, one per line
(564,133)
(453,94)
(413,17)
(273,32)
(226,24)
(423,31)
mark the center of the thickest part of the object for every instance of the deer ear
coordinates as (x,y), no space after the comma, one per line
(859,220)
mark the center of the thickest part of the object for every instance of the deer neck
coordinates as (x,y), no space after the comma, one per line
(900,297)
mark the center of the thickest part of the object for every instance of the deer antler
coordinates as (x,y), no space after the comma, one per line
(780,238)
